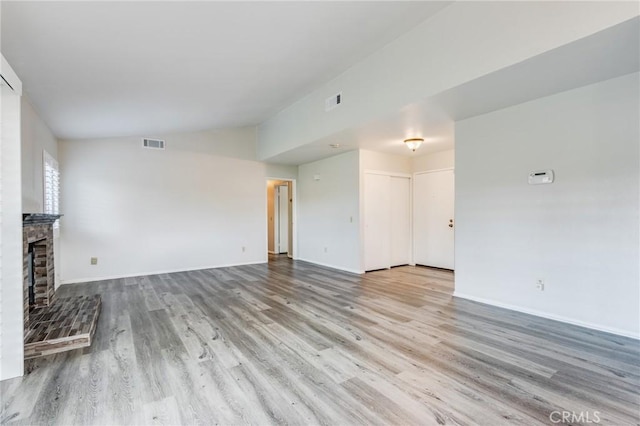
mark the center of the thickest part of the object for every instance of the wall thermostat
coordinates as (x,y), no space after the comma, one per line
(540,176)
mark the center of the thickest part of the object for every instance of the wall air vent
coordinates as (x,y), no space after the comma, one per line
(153,143)
(333,101)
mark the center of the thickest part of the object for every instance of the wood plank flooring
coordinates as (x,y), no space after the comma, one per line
(294,343)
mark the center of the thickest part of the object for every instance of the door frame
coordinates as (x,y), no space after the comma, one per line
(444,169)
(277,225)
(362,217)
(276,221)
(293,217)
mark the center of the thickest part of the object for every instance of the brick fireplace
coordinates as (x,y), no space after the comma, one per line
(38,266)
(51,324)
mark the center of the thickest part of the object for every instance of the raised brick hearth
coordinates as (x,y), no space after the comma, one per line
(68,324)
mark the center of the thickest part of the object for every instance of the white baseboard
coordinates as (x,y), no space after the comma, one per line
(353,271)
(547,315)
(142,274)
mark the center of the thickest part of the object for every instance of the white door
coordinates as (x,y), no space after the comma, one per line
(283,219)
(377,222)
(433,227)
(400,204)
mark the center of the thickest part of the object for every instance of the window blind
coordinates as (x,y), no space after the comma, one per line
(51,175)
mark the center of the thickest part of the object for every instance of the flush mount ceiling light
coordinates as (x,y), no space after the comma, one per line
(413,143)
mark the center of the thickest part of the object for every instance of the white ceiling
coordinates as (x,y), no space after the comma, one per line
(607,54)
(103,69)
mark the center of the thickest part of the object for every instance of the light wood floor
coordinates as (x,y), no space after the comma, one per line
(294,343)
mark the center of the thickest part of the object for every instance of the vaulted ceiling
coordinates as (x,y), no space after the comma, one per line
(103,69)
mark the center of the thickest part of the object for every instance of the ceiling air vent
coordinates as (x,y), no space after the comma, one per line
(153,143)
(333,101)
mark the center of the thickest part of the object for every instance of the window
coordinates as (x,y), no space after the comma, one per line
(51,175)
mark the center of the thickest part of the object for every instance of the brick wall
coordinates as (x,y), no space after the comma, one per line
(41,235)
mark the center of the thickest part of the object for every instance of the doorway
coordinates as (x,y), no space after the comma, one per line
(280,213)
(433,204)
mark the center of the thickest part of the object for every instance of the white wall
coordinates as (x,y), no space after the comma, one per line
(462,42)
(377,161)
(11,285)
(580,234)
(281,172)
(435,161)
(140,211)
(328,212)
(36,137)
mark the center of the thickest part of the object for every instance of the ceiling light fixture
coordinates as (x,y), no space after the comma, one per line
(335,145)
(413,143)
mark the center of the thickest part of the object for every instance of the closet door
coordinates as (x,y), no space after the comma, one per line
(377,222)
(433,197)
(400,202)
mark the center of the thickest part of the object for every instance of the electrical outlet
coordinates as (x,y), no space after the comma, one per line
(94,260)
(540,284)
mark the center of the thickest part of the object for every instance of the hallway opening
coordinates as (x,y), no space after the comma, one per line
(280,214)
